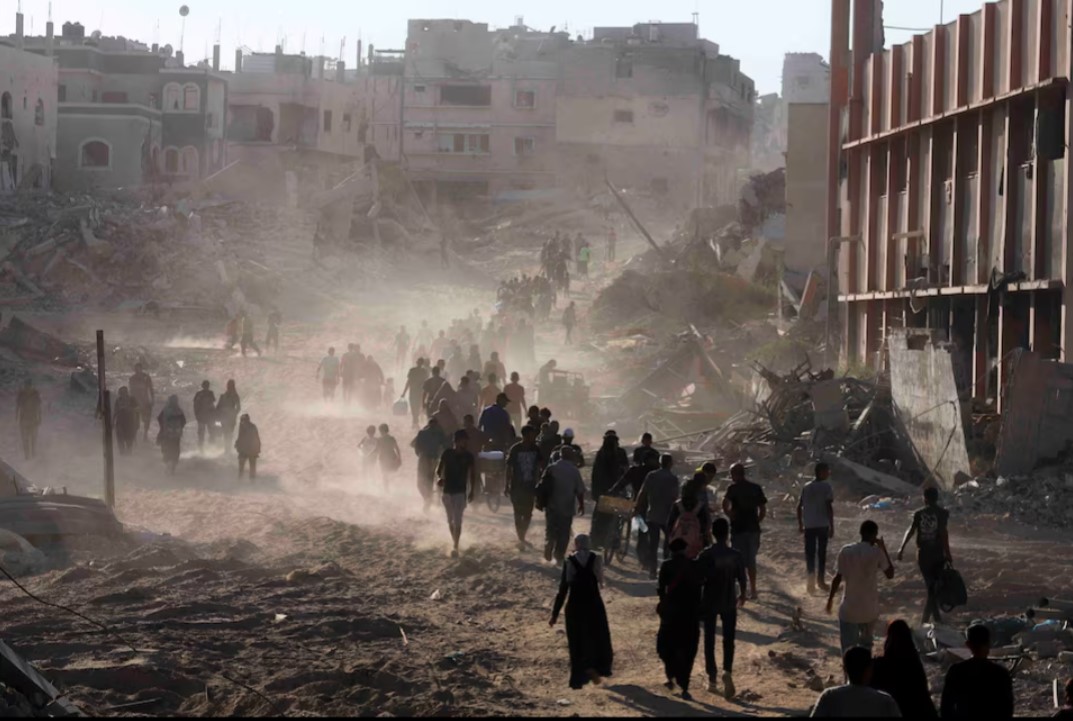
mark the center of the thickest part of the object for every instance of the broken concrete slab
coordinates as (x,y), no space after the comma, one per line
(33,344)
(20,674)
(877,478)
(926,397)
(1037,414)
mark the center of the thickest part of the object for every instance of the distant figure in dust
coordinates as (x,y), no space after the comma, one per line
(349,367)
(248,446)
(205,414)
(415,381)
(612,241)
(388,455)
(367,449)
(171,420)
(247,340)
(126,419)
(587,632)
(28,416)
(457,474)
(584,253)
(429,444)
(232,331)
(372,383)
(402,348)
(272,338)
(570,321)
(227,409)
(328,373)
(141,387)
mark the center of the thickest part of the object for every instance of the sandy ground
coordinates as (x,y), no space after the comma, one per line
(319,590)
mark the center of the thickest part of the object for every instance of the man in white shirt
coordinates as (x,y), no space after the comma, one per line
(816,521)
(857,566)
(856,699)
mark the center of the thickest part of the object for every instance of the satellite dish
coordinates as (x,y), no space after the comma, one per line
(184,10)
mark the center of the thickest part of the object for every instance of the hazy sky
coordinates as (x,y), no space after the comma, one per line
(757,32)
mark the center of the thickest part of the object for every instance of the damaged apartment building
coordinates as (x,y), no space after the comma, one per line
(127,113)
(302,122)
(656,108)
(949,186)
(27,114)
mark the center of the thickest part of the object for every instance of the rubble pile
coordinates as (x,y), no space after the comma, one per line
(1042,499)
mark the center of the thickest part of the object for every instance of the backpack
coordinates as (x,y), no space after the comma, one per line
(951,591)
(687,527)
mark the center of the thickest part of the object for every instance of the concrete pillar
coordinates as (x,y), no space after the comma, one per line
(358,66)
(216,58)
(340,72)
(279,57)
(181,59)
(238,60)
(19,35)
(50,38)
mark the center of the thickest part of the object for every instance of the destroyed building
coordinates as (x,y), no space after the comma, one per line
(949,184)
(27,114)
(129,114)
(657,108)
(479,108)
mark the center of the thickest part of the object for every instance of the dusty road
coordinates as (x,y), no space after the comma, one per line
(317,591)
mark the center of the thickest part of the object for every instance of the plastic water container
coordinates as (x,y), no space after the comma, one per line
(639,525)
(491,455)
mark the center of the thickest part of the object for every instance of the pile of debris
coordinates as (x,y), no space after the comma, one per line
(1042,499)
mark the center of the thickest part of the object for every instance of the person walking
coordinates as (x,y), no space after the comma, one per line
(588,634)
(930,525)
(328,374)
(900,673)
(857,565)
(515,399)
(248,446)
(746,506)
(679,616)
(524,466)
(429,445)
(816,521)
(247,340)
(388,455)
(558,494)
(570,322)
(141,387)
(431,390)
(721,567)
(402,348)
(584,254)
(654,503)
(855,699)
(126,420)
(691,521)
(28,416)
(272,337)
(415,382)
(228,406)
(205,414)
(350,366)
(977,688)
(457,474)
(171,421)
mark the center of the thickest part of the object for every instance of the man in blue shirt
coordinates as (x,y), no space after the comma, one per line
(496,425)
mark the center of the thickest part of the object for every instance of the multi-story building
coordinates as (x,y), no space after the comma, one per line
(950,184)
(479,108)
(654,107)
(129,114)
(27,114)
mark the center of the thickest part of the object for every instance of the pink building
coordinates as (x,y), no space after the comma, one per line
(479,108)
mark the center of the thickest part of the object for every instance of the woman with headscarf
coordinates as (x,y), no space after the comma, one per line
(172,420)
(679,617)
(446,418)
(126,418)
(900,673)
(608,466)
(587,632)
(228,406)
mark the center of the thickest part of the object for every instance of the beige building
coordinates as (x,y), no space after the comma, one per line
(806,186)
(27,115)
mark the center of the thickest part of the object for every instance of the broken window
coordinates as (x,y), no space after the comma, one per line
(464,143)
(327,121)
(623,116)
(524,98)
(346,122)
(95,154)
(623,67)
(113,96)
(472,95)
(172,96)
(39,112)
(524,146)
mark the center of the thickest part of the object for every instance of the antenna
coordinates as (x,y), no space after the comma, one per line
(219,29)
(183,12)
(50,12)
(156,32)
(342,48)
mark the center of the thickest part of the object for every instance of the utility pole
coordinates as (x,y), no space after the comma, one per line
(104,398)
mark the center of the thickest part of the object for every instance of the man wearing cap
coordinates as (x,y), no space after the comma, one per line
(568,441)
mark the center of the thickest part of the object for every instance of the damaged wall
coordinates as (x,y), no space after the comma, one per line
(1036,416)
(128,131)
(806,187)
(926,397)
(28,126)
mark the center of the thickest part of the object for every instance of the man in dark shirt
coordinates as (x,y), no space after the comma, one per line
(720,568)
(933,547)
(415,384)
(496,425)
(655,503)
(977,688)
(746,506)
(457,469)
(205,414)
(524,466)
(430,390)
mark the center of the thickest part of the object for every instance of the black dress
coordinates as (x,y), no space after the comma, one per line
(679,618)
(905,680)
(587,632)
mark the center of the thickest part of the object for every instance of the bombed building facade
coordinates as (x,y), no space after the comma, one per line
(949,185)
(27,115)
